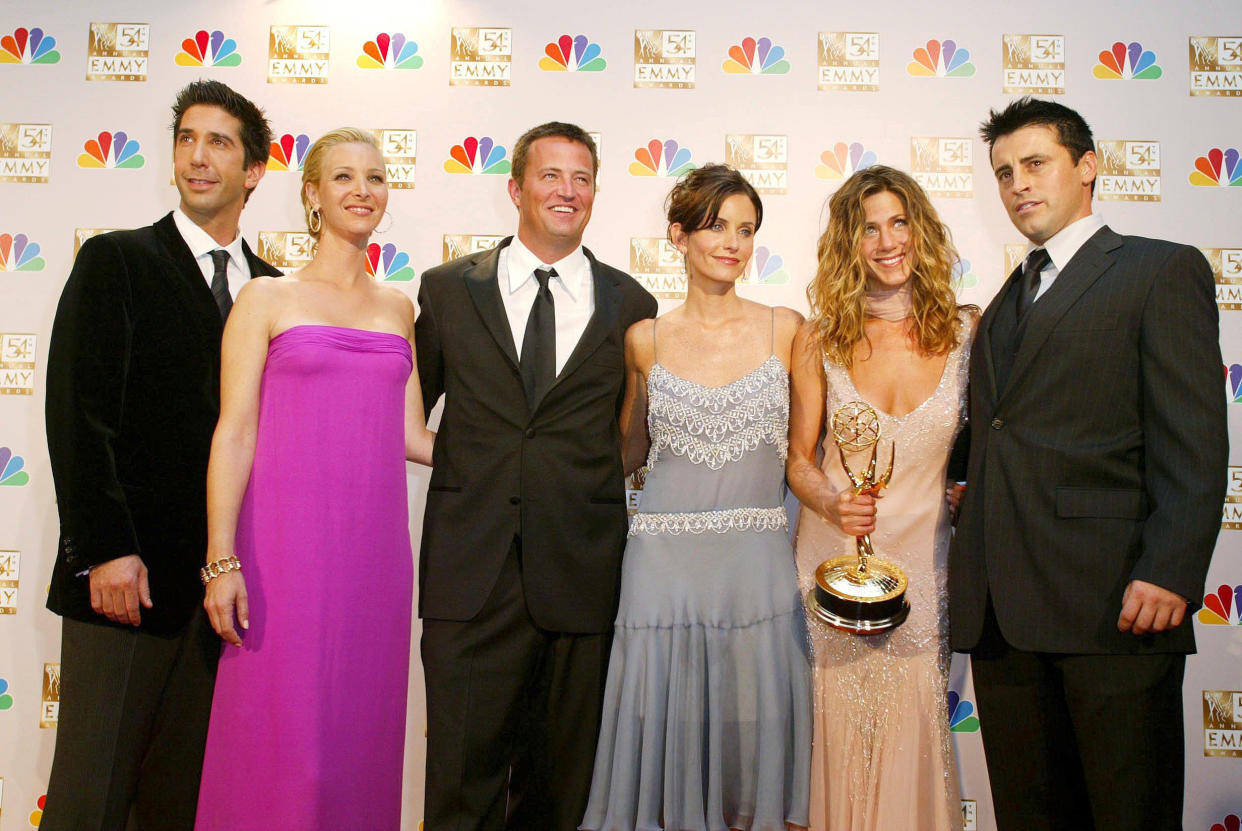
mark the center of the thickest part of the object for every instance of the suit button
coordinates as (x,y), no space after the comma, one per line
(997,424)
(530,434)
(515,500)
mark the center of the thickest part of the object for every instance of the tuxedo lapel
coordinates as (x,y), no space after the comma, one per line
(484,288)
(185,273)
(603,318)
(983,347)
(1084,268)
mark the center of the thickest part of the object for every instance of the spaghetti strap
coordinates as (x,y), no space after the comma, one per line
(655,356)
(772,344)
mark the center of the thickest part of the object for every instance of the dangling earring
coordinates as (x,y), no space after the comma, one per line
(316,221)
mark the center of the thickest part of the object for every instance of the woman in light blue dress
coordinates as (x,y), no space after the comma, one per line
(707,714)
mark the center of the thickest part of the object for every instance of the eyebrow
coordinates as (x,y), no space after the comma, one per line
(186,131)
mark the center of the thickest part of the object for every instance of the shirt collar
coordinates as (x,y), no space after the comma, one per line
(1066,242)
(201,243)
(571,270)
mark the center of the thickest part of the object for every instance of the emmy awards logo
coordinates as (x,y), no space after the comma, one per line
(861,594)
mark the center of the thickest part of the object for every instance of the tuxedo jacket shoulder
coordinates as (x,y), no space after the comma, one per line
(1103,458)
(132,400)
(548,473)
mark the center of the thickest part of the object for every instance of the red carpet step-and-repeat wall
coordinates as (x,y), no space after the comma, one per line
(798,95)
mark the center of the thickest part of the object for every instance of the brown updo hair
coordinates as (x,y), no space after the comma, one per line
(694,202)
(312,166)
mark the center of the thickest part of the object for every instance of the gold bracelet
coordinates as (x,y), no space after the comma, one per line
(224,565)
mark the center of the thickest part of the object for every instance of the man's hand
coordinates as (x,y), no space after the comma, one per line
(118,587)
(1145,607)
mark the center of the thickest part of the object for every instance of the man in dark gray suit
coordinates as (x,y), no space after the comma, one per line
(1096,478)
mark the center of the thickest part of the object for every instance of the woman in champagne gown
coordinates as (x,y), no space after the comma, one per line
(706,721)
(320,408)
(885,330)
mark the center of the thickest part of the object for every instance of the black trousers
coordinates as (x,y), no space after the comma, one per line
(1080,742)
(513,716)
(133,722)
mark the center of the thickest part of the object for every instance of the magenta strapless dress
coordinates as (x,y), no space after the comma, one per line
(308,720)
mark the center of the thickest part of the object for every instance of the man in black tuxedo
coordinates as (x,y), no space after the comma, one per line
(1096,477)
(526,520)
(132,399)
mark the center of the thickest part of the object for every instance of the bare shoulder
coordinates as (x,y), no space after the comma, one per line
(264,294)
(396,302)
(640,344)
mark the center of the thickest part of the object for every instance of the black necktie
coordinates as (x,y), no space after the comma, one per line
(220,282)
(539,342)
(1030,280)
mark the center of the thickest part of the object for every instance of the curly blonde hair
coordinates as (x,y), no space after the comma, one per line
(837,294)
(312,165)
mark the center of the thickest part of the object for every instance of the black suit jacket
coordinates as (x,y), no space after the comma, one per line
(133,393)
(1103,458)
(549,473)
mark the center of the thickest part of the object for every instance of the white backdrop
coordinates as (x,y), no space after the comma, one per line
(850,75)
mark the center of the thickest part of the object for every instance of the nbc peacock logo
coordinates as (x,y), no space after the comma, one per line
(1127,62)
(756,57)
(661,158)
(477,156)
(390,51)
(388,265)
(766,269)
(572,54)
(208,49)
(36,816)
(962,718)
(288,152)
(31,46)
(19,253)
(11,473)
(963,277)
(111,150)
(844,160)
(941,59)
(1220,608)
(1233,377)
(6,700)
(1231,822)
(1219,168)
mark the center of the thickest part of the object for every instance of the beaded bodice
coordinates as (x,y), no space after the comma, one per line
(717,453)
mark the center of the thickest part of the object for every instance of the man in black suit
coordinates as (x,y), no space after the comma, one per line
(132,399)
(525,519)
(1096,477)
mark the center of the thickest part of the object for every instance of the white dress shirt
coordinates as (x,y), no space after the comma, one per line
(201,245)
(573,295)
(1063,246)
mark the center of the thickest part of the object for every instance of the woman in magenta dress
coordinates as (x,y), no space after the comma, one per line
(309,572)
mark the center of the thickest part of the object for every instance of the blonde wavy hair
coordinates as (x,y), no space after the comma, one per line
(312,166)
(838,292)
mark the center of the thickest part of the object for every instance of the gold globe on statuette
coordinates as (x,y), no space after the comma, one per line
(862,594)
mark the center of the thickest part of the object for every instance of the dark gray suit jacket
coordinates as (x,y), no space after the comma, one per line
(549,471)
(1102,460)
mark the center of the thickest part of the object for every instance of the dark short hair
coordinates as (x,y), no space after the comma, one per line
(256,133)
(1072,130)
(694,202)
(553,129)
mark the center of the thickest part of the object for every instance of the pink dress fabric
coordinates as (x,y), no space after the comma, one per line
(308,720)
(882,757)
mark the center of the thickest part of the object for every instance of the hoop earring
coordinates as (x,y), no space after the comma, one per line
(315,222)
(388,216)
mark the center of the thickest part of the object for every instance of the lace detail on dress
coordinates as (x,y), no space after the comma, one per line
(698,522)
(717,425)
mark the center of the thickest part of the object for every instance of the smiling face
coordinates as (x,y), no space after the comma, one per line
(1042,188)
(554,198)
(885,245)
(719,252)
(352,192)
(209,166)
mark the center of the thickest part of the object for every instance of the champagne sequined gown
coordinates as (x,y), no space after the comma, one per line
(706,721)
(883,759)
